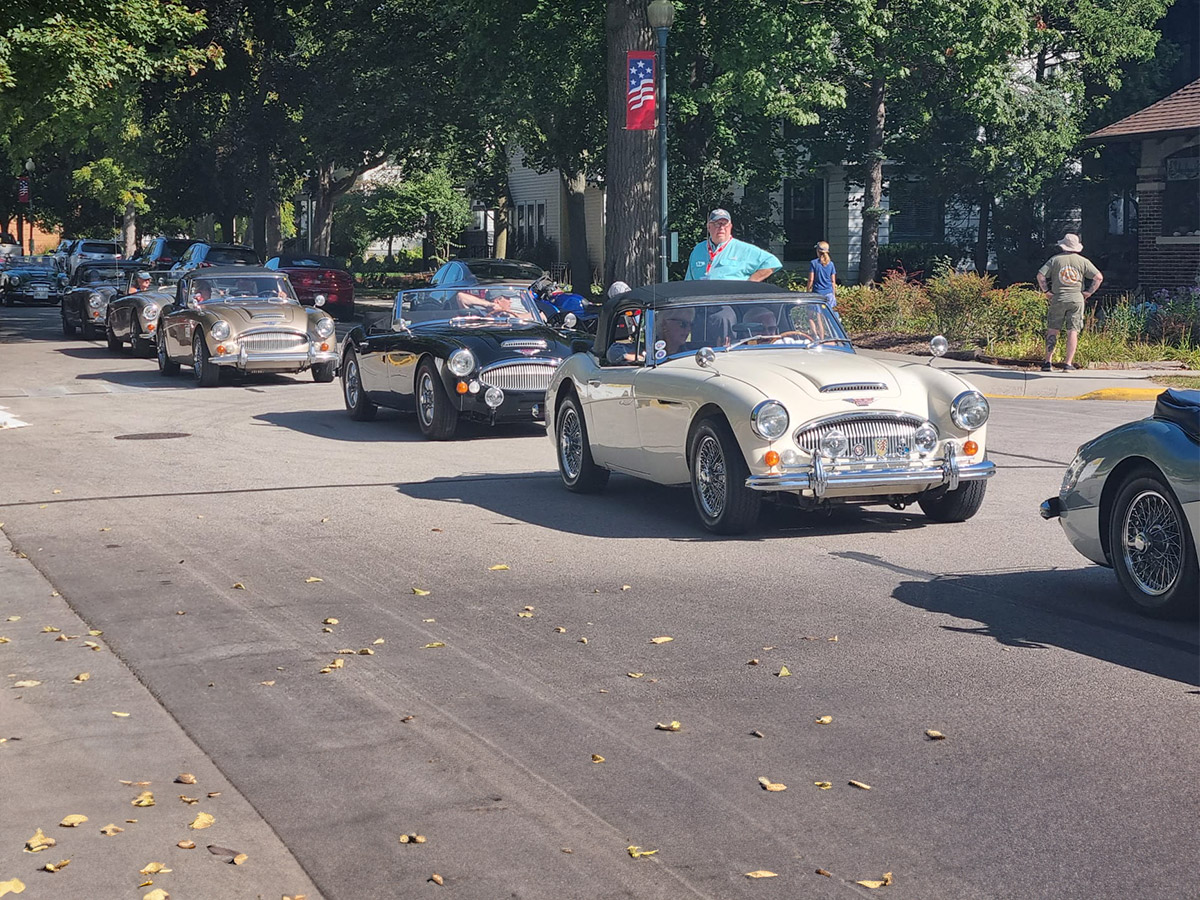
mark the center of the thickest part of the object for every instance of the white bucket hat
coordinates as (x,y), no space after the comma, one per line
(1071,243)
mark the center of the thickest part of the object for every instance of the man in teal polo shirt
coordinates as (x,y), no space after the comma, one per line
(724,258)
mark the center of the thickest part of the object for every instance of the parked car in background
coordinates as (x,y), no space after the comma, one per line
(744,391)
(475,271)
(89,251)
(132,315)
(201,254)
(32,279)
(315,277)
(482,352)
(93,285)
(164,252)
(1130,500)
(62,253)
(245,319)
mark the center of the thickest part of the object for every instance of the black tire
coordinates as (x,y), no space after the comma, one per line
(323,373)
(205,373)
(137,346)
(436,416)
(166,365)
(358,404)
(87,331)
(114,342)
(575,464)
(719,473)
(959,505)
(68,328)
(1152,551)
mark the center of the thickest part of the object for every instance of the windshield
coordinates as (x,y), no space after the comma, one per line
(233,288)
(309,262)
(231,256)
(99,247)
(775,324)
(477,305)
(102,276)
(39,262)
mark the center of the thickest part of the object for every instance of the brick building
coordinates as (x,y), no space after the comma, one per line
(1168,188)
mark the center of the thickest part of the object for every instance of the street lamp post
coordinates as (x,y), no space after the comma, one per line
(29,167)
(661,14)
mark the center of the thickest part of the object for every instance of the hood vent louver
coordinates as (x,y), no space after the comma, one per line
(854,387)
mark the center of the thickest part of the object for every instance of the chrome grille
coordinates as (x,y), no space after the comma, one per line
(870,437)
(274,342)
(855,386)
(522,376)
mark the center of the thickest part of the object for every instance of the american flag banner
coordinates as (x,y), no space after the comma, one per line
(639,94)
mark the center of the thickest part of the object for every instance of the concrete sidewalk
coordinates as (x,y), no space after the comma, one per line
(81,736)
(1006,382)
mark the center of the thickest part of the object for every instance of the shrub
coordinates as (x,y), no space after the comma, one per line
(920,260)
(958,303)
(1007,313)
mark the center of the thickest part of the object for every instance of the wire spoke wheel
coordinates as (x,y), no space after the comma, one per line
(425,398)
(570,443)
(711,476)
(352,383)
(1152,543)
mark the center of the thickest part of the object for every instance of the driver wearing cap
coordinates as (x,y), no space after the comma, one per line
(141,282)
(724,258)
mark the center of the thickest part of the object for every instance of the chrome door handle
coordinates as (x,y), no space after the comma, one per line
(595,383)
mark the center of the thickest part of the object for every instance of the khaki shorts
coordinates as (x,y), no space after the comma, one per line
(1065,315)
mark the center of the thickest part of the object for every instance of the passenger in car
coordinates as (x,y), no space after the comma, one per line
(673,328)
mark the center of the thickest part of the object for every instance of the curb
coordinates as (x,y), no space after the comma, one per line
(1101,394)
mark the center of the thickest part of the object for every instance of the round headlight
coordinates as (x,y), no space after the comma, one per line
(14,280)
(925,438)
(219,330)
(95,301)
(834,444)
(150,310)
(324,327)
(769,420)
(461,362)
(970,410)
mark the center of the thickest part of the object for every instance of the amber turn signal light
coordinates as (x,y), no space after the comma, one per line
(462,387)
(151,327)
(772,458)
(324,347)
(220,349)
(970,448)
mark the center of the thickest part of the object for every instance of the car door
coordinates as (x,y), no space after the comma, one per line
(609,400)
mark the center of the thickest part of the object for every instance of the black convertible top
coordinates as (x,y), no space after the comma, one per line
(1181,407)
(688,293)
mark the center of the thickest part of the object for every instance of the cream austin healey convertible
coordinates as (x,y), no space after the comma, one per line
(744,390)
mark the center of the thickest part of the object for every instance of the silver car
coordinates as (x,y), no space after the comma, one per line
(1130,500)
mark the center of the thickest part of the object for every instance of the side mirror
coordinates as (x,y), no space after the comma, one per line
(938,345)
(319,300)
(570,320)
(705,357)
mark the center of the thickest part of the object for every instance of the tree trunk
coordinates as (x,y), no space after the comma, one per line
(328,190)
(577,251)
(981,236)
(873,196)
(274,230)
(258,221)
(129,230)
(500,248)
(630,188)
(225,223)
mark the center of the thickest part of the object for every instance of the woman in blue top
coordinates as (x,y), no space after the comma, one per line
(822,276)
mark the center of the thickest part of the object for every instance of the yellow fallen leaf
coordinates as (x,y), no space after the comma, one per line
(773,786)
(238,586)
(824,720)
(377,641)
(762,873)
(784,672)
(671,726)
(25,684)
(636,674)
(145,798)
(412,838)
(186,845)
(420,592)
(95,632)
(347,650)
(188,800)
(637,852)
(437,879)
(560,630)
(106,529)
(324,520)
(597,758)
(153,868)
(39,842)
(752,662)
(338,664)
(121,715)
(934,735)
(50,629)
(73,821)
(13,619)
(860,785)
(825,873)
(57,491)
(267,683)
(366,651)
(626,587)
(313,579)
(499,568)
(146,883)
(202,820)
(885,880)
(12,886)
(824,785)
(330,621)
(111,829)
(214,793)
(582,640)
(81,677)
(833,640)
(433,645)
(158,893)
(661,640)
(92,645)
(429,621)
(240,858)
(524,615)
(3,640)
(54,867)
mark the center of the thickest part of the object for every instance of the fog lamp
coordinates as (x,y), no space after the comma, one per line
(473,387)
(834,444)
(493,397)
(925,438)
(790,458)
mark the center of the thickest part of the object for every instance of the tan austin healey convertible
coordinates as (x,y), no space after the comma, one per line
(744,390)
(244,319)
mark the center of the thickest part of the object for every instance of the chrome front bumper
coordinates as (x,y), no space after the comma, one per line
(281,361)
(882,481)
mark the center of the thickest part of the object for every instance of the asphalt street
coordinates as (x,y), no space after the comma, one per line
(213,535)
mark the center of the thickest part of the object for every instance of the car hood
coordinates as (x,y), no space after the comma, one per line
(838,378)
(32,271)
(252,314)
(492,343)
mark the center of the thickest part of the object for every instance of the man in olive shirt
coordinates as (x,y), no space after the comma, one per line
(1062,279)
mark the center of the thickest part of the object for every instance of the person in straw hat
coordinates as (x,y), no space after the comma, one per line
(1062,279)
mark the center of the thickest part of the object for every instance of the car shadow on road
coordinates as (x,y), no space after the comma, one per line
(389,425)
(87,351)
(1080,610)
(633,508)
(29,323)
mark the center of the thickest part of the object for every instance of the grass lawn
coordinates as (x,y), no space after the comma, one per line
(1179,381)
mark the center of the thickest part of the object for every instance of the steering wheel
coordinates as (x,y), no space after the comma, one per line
(802,335)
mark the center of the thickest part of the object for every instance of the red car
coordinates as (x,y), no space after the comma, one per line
(318,276)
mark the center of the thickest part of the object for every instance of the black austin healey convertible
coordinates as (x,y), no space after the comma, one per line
(481,352)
